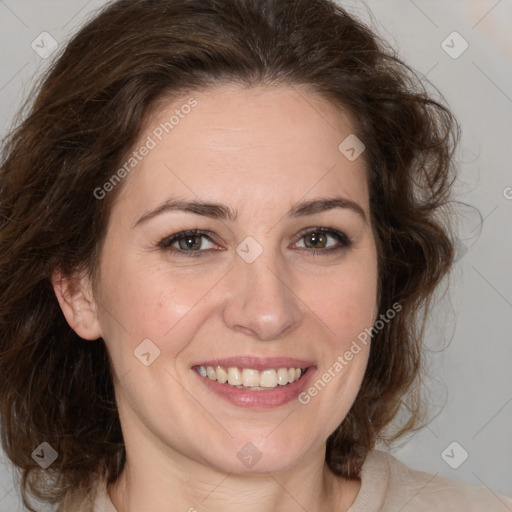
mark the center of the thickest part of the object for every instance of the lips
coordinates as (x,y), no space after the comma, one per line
(255,382)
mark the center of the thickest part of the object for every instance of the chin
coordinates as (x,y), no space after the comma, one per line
(261,456)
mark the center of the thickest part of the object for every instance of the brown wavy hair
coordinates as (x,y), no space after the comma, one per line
(85,117)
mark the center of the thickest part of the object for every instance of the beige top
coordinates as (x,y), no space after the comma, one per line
(388,485)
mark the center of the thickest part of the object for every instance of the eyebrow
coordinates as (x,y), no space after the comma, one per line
(224,212)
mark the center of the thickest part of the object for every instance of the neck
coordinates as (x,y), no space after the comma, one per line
(194,487)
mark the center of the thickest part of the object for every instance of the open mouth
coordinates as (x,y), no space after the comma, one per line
(251,379)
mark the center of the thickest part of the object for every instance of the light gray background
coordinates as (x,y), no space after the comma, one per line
(472,377)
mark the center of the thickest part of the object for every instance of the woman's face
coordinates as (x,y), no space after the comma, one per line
(247,292)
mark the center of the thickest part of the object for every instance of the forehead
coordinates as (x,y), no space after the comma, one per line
(245,145)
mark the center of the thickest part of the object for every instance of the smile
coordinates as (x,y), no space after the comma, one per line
(255,382)
(250,378)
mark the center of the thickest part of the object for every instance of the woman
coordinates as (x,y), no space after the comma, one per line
(221,222)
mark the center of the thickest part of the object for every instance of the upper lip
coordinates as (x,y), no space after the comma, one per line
(257,363)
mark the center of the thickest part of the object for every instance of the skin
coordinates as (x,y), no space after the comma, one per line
(258,150)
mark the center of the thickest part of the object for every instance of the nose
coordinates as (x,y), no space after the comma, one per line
(261,300)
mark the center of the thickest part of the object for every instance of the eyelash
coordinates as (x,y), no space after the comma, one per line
(342,238)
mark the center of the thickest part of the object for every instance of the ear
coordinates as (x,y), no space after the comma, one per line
(77,303)
(375,312)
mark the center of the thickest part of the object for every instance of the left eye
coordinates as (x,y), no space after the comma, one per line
(318,239)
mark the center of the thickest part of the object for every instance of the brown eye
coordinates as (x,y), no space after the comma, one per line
(187,243)
(190,242)
(324,240)
(316,240)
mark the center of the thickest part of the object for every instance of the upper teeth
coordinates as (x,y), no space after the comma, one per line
(248,377)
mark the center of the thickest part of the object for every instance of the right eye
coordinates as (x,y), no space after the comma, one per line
(186,243)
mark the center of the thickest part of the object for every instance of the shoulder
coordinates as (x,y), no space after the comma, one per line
(389,485)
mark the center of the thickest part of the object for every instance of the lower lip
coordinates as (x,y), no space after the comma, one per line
(259,399)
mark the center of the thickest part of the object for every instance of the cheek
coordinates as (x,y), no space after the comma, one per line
(347,301)
(148,301)
(145,295)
